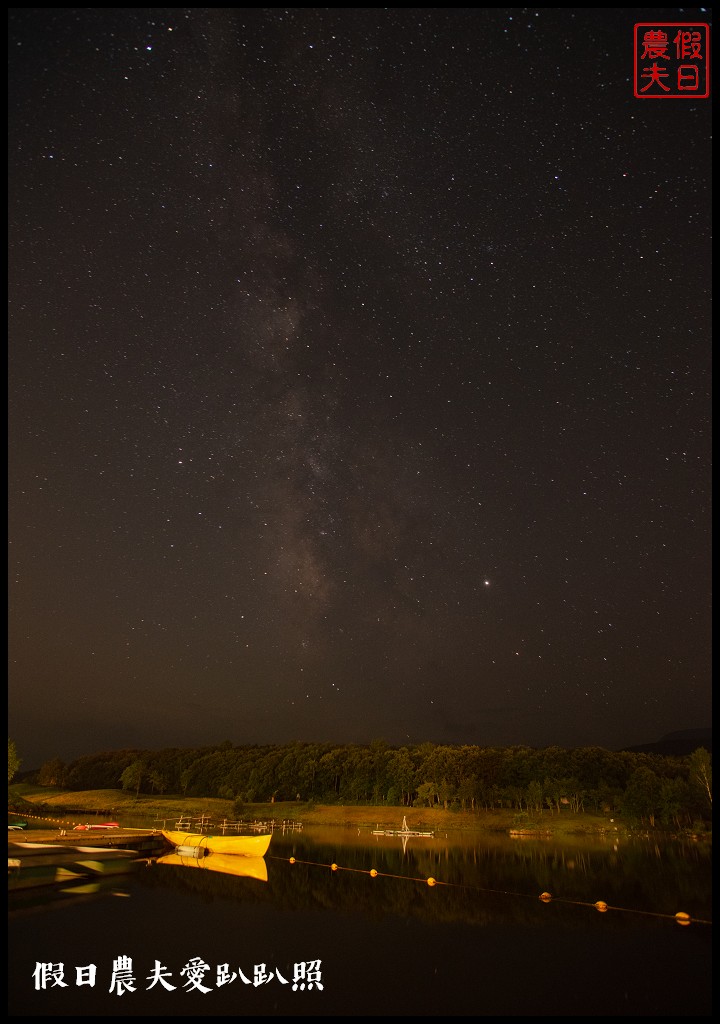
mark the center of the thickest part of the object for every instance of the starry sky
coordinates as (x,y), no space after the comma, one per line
(359,380)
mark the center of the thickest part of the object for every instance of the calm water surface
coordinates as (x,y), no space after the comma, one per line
(478,943)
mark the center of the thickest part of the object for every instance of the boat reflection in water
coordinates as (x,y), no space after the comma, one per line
(381,935)
(224,863)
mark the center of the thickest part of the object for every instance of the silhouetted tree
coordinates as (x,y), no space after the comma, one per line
(13,761)
(701,773)
(52,773)
(132,776)
(642,796)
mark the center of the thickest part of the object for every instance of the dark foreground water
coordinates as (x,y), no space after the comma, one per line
(479,943)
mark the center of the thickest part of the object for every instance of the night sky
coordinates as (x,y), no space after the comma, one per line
(359,380)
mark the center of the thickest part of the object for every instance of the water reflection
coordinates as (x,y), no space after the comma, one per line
(64,896)
(224,863)
(475,884)
(479,943)
(639,874)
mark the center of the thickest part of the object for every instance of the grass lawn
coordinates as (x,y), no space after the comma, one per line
(114,802)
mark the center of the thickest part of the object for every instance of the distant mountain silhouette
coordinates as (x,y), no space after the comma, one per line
(677,744)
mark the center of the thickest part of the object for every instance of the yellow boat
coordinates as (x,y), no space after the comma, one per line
(225,863)
(243,846)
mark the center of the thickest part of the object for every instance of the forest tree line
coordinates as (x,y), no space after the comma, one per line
(646,787)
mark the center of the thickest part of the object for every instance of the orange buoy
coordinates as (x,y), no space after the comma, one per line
(682,918)
(373,873)
(545,897)
(292,860)
(601,906)
(431,881)
(333,867)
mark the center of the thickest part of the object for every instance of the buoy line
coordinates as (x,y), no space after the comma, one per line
(600,905)
(545,897)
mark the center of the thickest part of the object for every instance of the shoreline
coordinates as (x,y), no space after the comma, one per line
(64,805)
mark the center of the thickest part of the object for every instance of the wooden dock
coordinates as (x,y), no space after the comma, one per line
(404,832)
(56,863)
(138,839)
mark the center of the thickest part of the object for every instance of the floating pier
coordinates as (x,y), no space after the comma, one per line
(37,864)
(404,832)
(141,840)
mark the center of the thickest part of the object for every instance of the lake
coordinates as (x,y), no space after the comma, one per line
(187,940)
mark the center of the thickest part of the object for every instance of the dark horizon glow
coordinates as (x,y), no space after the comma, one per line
(359,380)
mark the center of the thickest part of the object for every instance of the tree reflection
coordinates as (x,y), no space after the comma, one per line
(477,885)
